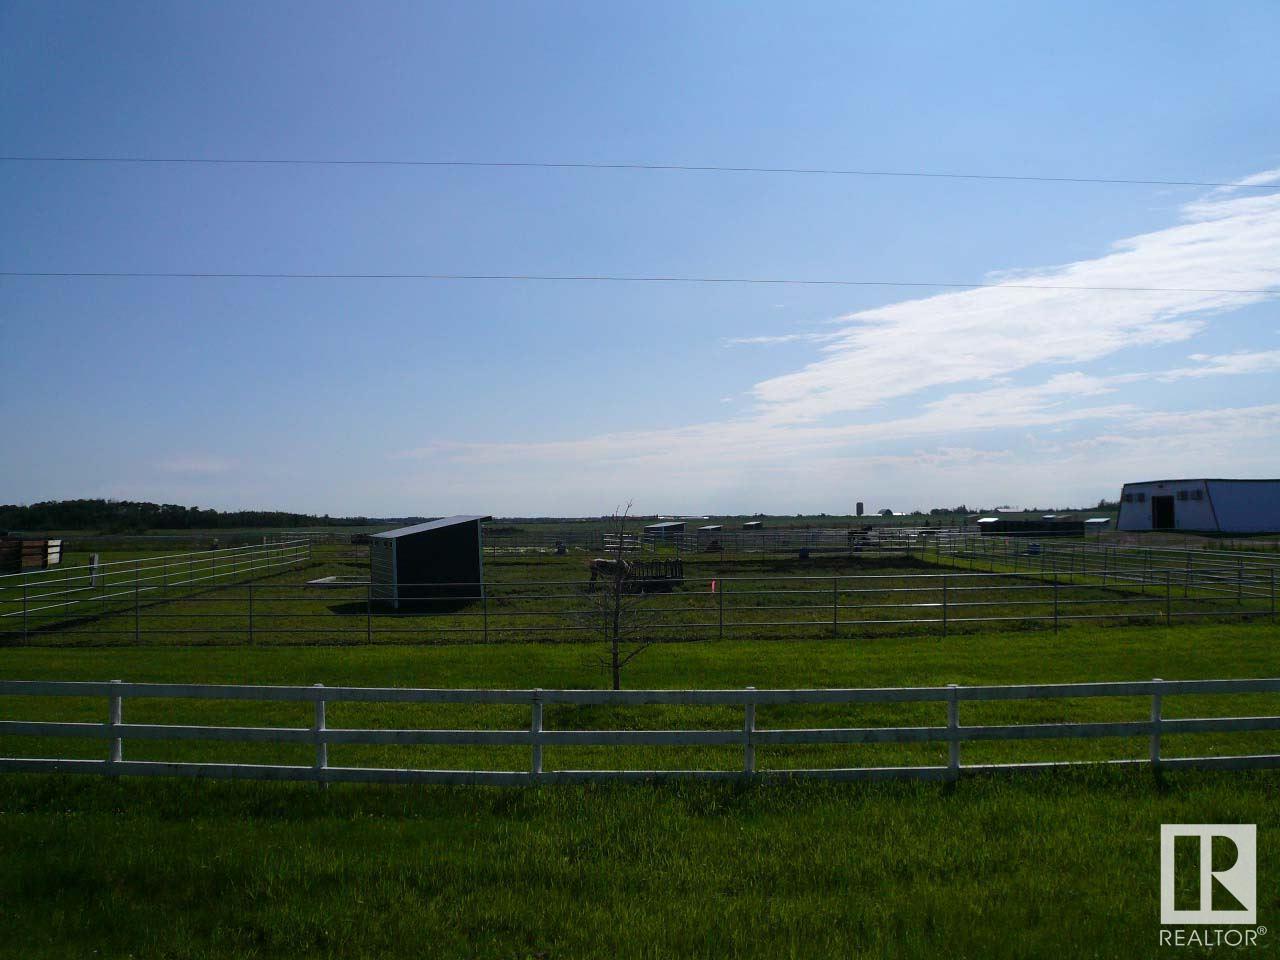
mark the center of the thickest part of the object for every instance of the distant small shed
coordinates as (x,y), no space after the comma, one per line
(29,553)
(753,525)
(711,528)
(437,559)
(666,528)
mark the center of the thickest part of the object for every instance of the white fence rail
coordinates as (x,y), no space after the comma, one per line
(536,737)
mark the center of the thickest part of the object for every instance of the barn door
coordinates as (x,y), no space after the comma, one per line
(1162,513)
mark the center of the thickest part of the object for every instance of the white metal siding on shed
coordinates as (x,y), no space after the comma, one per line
(1220,506)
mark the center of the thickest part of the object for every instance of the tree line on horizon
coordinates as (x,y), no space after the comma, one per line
(123,516)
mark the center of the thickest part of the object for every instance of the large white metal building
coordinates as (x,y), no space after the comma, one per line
(1206,506)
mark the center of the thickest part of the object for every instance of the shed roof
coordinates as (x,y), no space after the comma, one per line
(665,525)
(431,525)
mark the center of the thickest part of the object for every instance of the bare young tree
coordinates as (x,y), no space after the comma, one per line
(618,600)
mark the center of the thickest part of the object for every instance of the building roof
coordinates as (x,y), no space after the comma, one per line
(431,525)
(1138,483)
(712,526)
(665,525)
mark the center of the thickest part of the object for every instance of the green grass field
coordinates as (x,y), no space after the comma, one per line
(1061,864)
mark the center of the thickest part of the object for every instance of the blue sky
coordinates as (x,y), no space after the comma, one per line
(414,397)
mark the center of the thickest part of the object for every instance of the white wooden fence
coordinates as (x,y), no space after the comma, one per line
(748,737)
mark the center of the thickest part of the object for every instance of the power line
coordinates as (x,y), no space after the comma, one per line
(675,167)
(607,278)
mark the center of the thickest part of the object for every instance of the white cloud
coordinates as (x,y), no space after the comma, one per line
(1227,364)
(1232,243)
(769,340)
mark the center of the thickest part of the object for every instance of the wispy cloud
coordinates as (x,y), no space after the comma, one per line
(1232,242)
(1227,364)
(769,340)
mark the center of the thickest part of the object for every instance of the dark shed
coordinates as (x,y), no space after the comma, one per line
(436,559)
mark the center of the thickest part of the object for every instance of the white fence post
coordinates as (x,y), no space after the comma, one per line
(748,734)
(317,730)
(535,729)
(1155,726)
(953,732)
(115,718)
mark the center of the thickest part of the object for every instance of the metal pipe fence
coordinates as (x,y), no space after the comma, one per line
(539,736)
(1078,560)
(97,589)
(780,540)
(702,608)
(236,596)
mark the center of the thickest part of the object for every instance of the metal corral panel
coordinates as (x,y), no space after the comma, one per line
(1201,505)
(1008,526)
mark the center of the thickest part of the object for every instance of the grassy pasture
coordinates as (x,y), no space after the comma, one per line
(1062,864)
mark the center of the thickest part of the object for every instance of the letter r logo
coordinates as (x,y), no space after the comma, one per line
(1239,878)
